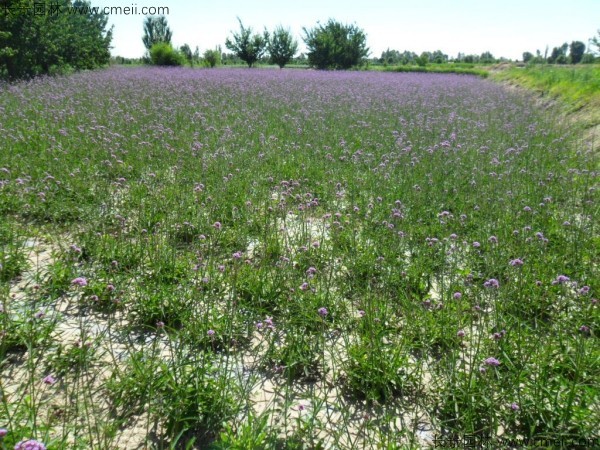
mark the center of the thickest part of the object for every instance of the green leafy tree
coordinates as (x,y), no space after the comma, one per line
(50,40)
(527,56)
(212,58)
(335,45)
(576,51)
(559,54)
(423,60)
(163,54)
(156,30)
(595,42)
(282,47)
(186,51)
(247,46)
(487,58)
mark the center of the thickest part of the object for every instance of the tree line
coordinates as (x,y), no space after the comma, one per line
(51,36)
(330,46)
(58,36)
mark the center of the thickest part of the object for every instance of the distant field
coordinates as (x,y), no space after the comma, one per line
(265,259)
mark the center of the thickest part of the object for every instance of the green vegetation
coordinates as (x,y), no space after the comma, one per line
(51,41)
(575,86)
(335,45)
(461,69)
(344,259)
(163,54)
(156,30)
(247,46)
(281,46)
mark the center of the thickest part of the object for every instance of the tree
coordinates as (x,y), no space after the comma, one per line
(212,58)
(45,41)
(335,45)
(487,58)
(282,47)
(156,30)
(527,56)
(559,54)
(423,60)
(576,51)
(595,42)
(186,51)
(163,54)
(247,46)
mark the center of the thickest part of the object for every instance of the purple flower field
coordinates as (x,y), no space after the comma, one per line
(294,259)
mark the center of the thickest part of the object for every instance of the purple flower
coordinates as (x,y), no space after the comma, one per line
(323,312)
(492,283)
(39,314)
(237,255)
(460,333)
(30,444)
(304,286)
(514,407)
(492,362)
(269,322)
(584,329)
(3,432)
(160,324)
(561,279)
(311,271)
(79,281)
(457,295)
(476,244)
(493,239)
(210,333)
(217,225)
(584,290)
(516,262)
(49,379)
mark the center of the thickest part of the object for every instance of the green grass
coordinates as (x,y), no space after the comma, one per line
(457,68)
(577,86)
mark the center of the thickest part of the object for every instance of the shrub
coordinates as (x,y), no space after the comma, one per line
(163,54)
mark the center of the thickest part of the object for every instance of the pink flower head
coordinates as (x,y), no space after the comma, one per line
(561,279)
(79,281)
(323,312)
(49,379)
(492,283)
(30,444)
(492,362)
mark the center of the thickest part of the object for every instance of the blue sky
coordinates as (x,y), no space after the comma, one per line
(505,28)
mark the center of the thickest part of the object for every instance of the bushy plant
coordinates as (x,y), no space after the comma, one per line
(163,54)
(212,58)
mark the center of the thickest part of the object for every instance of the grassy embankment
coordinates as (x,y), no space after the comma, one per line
(576,87)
